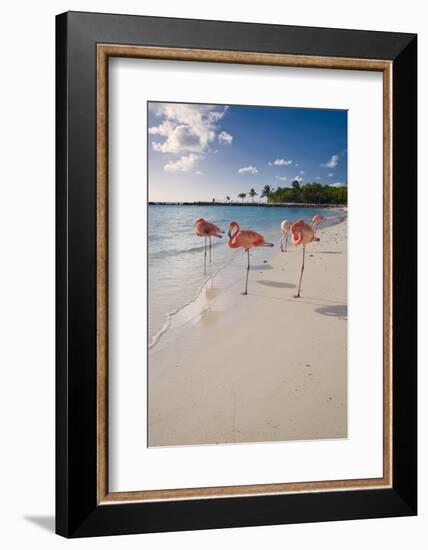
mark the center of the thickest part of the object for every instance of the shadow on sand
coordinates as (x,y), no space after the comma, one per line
(261,267)
(276,284)
(325,252)
(341,312)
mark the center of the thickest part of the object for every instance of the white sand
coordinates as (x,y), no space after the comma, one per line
(262,367)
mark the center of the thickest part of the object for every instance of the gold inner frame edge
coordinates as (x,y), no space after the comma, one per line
(104,51)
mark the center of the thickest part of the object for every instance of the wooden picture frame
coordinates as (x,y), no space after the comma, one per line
(85,506)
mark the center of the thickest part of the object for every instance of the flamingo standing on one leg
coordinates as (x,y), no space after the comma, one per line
(206,229)
(285,230)
(316,220)
(302,234)
(246,239)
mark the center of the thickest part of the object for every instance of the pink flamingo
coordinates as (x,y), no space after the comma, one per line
(246,239)
(302,234)
(285,230)
(206,229)
(316,220)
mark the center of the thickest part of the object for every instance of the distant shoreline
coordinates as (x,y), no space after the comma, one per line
(251,204)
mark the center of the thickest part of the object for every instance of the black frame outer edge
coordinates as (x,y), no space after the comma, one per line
(405,274)
(61,447)
(77,514)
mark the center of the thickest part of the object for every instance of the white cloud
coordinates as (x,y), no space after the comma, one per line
(330,175)
(318,177)
(282,178)
(199,173)
(248,170)
(184,164)
(281,162)
(302,172)
(182,139)
(164,128)
(337,184)
(297,178)
(186,128)
(217,115)
(224,137)
(332,163)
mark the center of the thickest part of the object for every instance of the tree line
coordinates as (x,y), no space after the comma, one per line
(314,193)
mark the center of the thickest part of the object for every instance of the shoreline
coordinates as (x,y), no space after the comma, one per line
(251,204)
(226,371)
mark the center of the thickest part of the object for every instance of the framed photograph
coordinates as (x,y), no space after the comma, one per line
(236,285)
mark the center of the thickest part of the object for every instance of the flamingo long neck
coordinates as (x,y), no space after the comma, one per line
(232,235)
(297,237)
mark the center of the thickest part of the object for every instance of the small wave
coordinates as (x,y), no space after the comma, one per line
(156,337)
(170,315)
(329,221)
(179,251)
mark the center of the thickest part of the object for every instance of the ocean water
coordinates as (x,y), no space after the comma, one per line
(176,254)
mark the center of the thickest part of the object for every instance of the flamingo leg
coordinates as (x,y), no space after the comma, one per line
(205,255)
(284,236)
(301,273)
(210,247)
(281,242)
(248,270)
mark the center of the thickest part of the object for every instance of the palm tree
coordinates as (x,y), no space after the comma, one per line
(228,199)
(252,194)
(297,190)
(267,191)
(242,196)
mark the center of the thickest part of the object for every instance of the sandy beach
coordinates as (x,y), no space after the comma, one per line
(257,368)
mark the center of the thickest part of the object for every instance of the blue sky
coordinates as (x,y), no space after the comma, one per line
(201,152)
